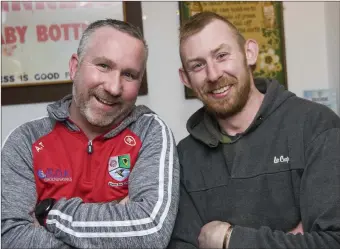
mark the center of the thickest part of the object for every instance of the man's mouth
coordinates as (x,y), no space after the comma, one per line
(104,101)
(221,90)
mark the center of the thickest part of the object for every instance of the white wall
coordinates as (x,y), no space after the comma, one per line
(307,52)
(332,16)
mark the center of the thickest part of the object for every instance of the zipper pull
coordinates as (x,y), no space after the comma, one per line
(90,147)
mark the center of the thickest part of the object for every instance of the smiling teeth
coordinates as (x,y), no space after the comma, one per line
(105,102)
(221,90)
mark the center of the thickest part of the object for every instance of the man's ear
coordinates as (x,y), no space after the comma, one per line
(252,51)
(184,77)
(73,65)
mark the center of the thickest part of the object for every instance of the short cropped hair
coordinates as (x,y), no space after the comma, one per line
(122,26)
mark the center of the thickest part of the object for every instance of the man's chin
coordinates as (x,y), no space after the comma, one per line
(221,112)
(100,123)
(101,119)
(98,119)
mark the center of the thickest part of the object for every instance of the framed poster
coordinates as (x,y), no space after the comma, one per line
(38,39)
(262,21)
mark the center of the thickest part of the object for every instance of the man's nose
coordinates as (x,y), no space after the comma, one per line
(213,73)
(113,84)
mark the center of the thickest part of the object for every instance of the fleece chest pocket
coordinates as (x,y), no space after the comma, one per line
(264,171)
(251,158)
(253,169)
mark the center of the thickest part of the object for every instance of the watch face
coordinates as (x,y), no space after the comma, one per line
(43,207)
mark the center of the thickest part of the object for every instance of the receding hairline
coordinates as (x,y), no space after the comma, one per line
(121,26)
(100,29)
(90,43)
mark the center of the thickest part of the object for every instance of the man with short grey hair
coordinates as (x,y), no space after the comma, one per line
(124,27)
(98,171)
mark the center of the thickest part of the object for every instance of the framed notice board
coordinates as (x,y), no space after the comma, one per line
(262,21)
(38,39)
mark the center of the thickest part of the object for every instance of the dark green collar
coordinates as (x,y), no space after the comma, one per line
(214,129)
(227,139)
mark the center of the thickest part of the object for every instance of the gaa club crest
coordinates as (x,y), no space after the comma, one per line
(119,167)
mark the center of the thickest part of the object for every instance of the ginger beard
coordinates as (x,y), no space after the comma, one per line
(236,98)
(95,116)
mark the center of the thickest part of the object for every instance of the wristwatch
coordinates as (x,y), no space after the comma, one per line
(42,209)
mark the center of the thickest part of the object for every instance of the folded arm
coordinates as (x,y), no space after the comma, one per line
(146,220)
(319,203)
(18,195)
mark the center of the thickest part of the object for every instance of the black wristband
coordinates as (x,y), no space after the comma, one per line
(42,209)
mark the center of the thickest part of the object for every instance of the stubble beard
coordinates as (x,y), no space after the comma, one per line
(96,117)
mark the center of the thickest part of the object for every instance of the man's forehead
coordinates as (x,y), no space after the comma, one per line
(204,47)
(212,35)
(104,34)
(115,50)
(215,28)
(110,38)
(110,34)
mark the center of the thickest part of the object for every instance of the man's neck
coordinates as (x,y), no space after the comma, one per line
(239,122)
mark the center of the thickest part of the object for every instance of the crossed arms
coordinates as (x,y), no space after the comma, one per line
(145,221)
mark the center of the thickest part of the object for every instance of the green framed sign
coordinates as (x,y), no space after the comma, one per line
(262,21)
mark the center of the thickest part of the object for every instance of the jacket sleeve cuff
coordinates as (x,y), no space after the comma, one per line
(243,237)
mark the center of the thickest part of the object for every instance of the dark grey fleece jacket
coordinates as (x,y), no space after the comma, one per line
(285,168)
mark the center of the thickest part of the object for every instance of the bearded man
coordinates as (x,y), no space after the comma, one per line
(261,167)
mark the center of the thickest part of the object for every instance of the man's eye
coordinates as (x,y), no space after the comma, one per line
(129,75)
(197,66)
(222,55)
(104,66)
